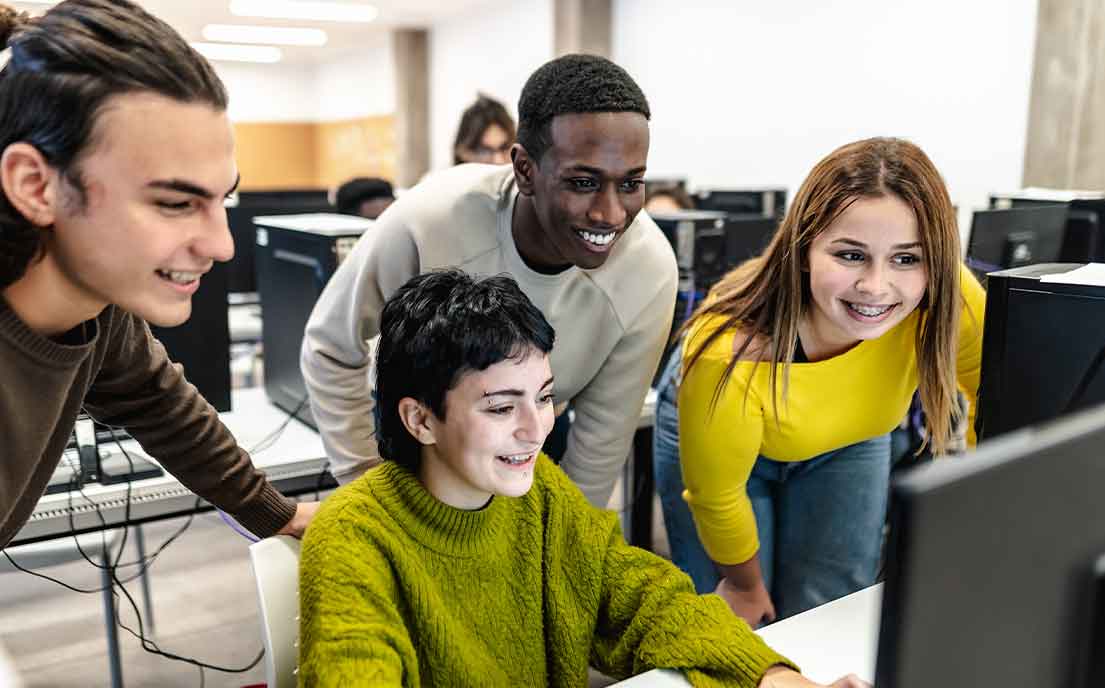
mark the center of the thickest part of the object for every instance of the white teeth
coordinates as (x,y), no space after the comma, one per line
(516,459)
(597,239)
(179,277)
(869,311)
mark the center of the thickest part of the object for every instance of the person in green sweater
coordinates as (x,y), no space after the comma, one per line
(468,558)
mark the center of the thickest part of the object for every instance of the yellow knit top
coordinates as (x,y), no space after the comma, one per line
(832,403)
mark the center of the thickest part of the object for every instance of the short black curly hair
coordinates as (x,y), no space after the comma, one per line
(572,84)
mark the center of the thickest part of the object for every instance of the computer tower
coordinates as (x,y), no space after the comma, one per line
(768,202)
(250,204)
(1043,346)
(296,256)
(201,345)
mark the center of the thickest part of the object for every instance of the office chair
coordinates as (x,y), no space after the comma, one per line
(275,562)
(100,547)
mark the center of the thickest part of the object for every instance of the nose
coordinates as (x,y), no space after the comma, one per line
(872,279)
(607,209)
(215,241)
(534,423)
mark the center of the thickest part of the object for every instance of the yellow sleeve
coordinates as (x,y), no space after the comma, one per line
(717,450)
(969,358)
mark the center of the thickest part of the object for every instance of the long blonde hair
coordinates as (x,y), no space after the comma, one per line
(767,295)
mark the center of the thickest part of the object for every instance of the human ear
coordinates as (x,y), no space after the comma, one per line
(416,418)
(29,183)
(524,168)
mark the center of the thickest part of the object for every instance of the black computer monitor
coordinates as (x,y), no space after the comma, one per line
(1042,349)
(201,345)
(994,565)
(1084,237)
(747,236)
(768,202)
(242,274)
(1013,237)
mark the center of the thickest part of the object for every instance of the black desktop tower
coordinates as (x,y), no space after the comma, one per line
(243,271)
(1043,346)
(296,256)
(768,202)
(202,344)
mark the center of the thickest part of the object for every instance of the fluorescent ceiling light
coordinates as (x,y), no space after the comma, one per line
(239,53)
(298,9)
(274,35)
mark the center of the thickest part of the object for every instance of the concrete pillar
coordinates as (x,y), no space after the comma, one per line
(412,104)
(1065,145)
(583,26)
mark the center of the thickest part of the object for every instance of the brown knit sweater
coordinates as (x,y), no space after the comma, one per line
(121,374)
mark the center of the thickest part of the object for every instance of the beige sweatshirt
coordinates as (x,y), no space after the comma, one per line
(611,323)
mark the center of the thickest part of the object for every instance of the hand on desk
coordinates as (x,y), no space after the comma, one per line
(304,512)
(784,677)
(752,604)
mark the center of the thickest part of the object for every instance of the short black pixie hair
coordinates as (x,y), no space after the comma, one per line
(436,327)
(573,84)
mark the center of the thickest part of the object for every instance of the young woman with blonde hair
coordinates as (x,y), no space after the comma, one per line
(798,366)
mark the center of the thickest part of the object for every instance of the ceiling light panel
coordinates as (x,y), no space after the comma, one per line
(309,11)
(265,35)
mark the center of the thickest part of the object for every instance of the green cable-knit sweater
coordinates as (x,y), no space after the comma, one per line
(398,588)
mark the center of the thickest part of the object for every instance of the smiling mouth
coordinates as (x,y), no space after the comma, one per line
(517,459)
(598,239)
(869,311)
(178,276)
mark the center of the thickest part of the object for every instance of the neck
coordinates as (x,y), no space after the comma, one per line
(821,340)
(530,239)
(47,302)
(446,486)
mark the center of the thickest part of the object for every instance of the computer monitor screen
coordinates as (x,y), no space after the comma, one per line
(748,236)
(1014,237)
(769,202)
(991,564)
(1042,350)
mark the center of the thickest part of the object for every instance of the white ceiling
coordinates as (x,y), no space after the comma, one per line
(190,16)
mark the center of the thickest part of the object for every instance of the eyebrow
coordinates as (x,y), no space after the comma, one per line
(636,171)
(187,187)
(512,392)
(896,247)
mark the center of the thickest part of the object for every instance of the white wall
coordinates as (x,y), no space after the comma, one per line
(492,50)
(356,84)
(269,93)
(754,93)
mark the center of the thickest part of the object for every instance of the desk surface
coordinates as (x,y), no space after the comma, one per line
(292,458)
(828,642)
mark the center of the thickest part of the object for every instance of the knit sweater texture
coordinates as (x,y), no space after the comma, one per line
(398,588)
(116,370)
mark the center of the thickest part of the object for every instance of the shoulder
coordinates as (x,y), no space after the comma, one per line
(974,304)
(457,200)
(640,271)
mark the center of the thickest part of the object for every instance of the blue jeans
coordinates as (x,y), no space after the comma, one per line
(819,521)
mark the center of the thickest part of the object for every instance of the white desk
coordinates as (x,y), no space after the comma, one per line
(292,463)
(830,641)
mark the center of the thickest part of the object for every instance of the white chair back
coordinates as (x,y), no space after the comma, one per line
(275,563)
